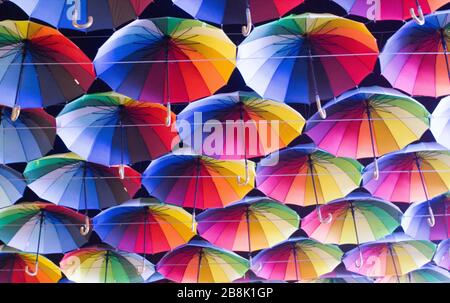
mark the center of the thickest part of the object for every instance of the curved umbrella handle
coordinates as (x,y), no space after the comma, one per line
(431,219)
(86,228)
(247,29)
(419,20)
(122,172)
(15,113)
(76,15)
(321,219)
(322,112)
(360,261)
(32,273)
(246,179)
(376,172)
(169,115)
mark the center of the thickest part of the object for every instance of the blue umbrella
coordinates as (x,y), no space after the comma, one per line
(12,186)
(440,122)
(442,256)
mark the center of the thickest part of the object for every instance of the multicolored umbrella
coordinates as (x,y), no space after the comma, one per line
(100,264)
(416,173)
(250,225)
(84,15)
(440,122)
(414,222)
(306,58)
(12,186)
(166,60)
(442,256)
(201,262)
(305,175)
(298,259)
(112,129)
(40,67)
(416,58)
(369,122)
(340,276)
(30,137)
(426,274)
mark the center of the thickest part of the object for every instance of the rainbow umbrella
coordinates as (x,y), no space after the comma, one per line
(30,137)
(237,11)
(440,122)
(250,225)
(40,67)
(414,222)
(112,129)
(14,264)
(297,259)
(84,15)
(201,262)
(305,175)
(166,60)
(369,122)
(391,9)
(101,264)
(442,256)
(306,58)
(394,255)
(340,276)
(416,58)
(12,186)
(426,274)
(416,173)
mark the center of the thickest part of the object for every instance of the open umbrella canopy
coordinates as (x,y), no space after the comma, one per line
(440,122)
(340,275)
(442,256)
(12,186)
(425,274)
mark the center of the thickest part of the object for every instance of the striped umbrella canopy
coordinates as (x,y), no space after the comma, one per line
(440,122)
(101,264)
(297,259)
(144,226)
(340,276)
(416,58)
(12,186)
(84,15)
(250,225)
(426,274)
(415,223)
(442,256)
(29,137)
(306,58)
(201,262)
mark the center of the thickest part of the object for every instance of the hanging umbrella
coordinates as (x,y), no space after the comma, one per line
(426,274)
(144,226)
(41,228)
(112,129)
(12,186)
(250,277)
(342,276)
(369,122)
(442,256)
(13,266)
(166,60)
(84,15)
(306,58)
(237,11)
(201,262)
(440,122)
(298,259)
(197,182)
(40,67)
(100,264)
(416,58)
(391,9)
(305,175)
(394,255)
(30,137)
(416,173)
(250,225)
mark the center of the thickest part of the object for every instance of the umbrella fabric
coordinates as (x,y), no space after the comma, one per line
(305,175)
(12,186)
(440,122)
(356,219)
(111,129)
(234,11)
(270,125)
(68,180)
(41,228)
(30,137)
(426,274)
(342,276)
(201,262)
(106,14)
(442,256)
(416,59)
(302,58)
(100,264)
(144,226)
(250,225)
(168,60)
(298,259)
(39,66)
